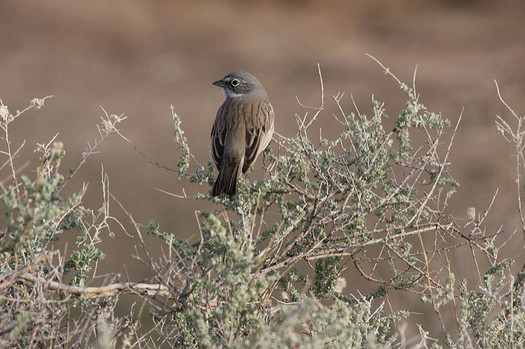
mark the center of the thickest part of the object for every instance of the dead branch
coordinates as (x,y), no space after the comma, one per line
(112,290)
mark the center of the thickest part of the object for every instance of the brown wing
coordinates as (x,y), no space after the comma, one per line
(258,118)
(218,135)
(259,121)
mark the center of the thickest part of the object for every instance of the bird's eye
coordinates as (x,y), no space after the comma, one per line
(235,82)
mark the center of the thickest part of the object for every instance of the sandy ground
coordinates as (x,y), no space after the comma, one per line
(139,57)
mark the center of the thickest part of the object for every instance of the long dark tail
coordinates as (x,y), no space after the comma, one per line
(227,180)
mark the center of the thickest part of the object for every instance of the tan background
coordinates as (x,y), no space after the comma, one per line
(138,57)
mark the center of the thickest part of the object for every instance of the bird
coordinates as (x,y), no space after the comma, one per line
(243,128)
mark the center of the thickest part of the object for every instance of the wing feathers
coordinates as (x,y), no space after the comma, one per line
(243,128)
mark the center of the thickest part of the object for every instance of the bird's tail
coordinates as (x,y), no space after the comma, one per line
(227,180)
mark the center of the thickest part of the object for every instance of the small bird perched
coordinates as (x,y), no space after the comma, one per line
(243,128)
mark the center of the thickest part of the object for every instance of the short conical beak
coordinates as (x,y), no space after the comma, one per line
(220,83)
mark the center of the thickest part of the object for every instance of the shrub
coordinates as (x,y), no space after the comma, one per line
(268,269)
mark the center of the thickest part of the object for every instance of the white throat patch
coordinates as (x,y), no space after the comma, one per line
(228,93)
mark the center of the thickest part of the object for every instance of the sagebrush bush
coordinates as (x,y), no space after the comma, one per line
(371,199)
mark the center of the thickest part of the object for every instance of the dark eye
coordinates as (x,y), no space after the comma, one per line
(235,82)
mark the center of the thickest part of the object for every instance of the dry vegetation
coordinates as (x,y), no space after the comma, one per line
(372,199)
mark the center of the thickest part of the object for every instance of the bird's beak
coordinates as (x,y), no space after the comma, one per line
(220,83)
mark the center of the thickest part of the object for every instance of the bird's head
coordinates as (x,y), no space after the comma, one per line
(241,84)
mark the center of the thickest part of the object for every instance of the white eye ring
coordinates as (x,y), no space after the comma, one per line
(235,82)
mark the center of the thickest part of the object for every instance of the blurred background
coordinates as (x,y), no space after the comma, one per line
(138,57)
